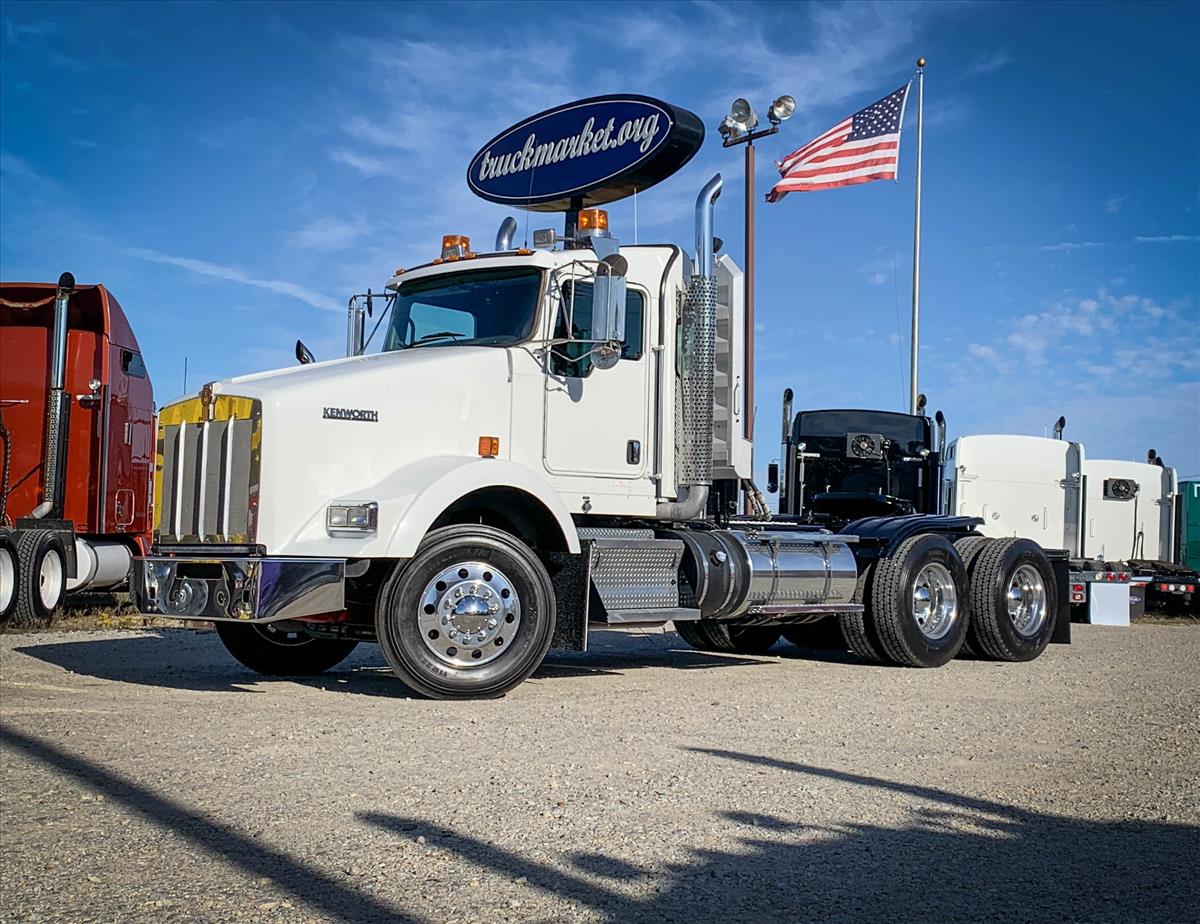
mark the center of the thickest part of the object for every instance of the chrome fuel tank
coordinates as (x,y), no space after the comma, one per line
(730,573)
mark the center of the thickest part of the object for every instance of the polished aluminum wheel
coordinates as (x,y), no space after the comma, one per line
(8,579)
(50,580)
(935,601)
(469,614)
(1027,604)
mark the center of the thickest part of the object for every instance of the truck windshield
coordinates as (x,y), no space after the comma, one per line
(493,306)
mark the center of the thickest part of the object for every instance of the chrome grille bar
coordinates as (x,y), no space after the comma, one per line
(208,471)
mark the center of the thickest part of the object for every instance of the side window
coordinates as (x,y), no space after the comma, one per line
(131,364)
(573,359)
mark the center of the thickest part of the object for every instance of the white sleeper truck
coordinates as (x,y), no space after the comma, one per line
(1120,521)
(549,441)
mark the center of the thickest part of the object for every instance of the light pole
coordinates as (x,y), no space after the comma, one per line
(739,128)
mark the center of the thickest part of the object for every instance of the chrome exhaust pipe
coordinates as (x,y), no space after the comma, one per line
(693,462)
(57,406)
(504,236)
(704,225)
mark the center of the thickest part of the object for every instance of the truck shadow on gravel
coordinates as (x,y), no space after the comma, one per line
(194,660)
(320,889)
(963,858)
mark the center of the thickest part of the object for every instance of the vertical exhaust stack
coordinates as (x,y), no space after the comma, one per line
(785,449)
(504,236)
(695,437)
(57,407)
(356,324)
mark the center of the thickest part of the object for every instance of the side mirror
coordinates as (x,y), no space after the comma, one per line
(608,299)
(304,354)
(773,478)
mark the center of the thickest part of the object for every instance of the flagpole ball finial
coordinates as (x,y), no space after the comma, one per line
(920,62)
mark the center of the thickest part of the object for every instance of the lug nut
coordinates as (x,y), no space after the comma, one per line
(491,623)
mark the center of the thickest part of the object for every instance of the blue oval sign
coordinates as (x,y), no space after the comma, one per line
(585,153)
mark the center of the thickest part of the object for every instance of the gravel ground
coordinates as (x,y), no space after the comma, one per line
(147,777)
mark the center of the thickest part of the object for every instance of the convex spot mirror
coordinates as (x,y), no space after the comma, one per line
(608,303)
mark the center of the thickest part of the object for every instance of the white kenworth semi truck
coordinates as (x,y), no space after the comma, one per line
(550,441)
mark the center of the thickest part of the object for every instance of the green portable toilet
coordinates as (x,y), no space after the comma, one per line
(1190,540)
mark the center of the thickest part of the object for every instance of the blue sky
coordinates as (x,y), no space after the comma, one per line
(234,171)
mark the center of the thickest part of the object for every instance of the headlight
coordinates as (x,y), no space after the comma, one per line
(352,519)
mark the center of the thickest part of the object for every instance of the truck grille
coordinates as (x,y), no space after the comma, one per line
(207,470)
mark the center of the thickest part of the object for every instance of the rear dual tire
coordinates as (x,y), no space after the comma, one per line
(1014,600)
(726,638)
(40,577)
(8,575)
(918,600)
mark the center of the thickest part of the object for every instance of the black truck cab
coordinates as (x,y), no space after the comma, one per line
(841,465)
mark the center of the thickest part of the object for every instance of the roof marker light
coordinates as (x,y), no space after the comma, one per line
(592,220)
(456,247)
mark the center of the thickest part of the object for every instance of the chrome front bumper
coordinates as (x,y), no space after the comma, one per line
(245,589)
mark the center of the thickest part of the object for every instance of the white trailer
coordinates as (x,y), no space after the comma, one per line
(550,441)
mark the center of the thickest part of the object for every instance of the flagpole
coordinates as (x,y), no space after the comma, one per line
(916,286)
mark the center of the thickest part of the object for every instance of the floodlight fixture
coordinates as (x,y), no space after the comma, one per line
(743,114)
(781,109)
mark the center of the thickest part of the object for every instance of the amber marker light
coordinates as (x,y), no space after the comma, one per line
(592,220)
(456,247)
(489,446)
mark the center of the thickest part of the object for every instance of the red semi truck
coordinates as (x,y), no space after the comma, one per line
(77,436)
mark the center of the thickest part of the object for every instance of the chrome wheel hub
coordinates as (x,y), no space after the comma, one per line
(50,580)
(469,614)
(935,601)
(8,578)
(1026,599)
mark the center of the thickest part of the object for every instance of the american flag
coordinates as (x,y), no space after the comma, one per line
(859,149)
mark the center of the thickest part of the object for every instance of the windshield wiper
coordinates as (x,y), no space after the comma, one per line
(440,335)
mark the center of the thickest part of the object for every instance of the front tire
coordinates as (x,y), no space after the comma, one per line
(280,652)
(470,615)
(1014,600)
(919,601)
(41,578)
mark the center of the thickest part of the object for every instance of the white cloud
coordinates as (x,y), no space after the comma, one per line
(1168,239)
(1066,246)
(1113,203)
(327,234)
(990,63)
(877,279)
(232,274)
(11,164)
(367,166)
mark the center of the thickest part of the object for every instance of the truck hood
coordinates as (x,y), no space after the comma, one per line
(369,380)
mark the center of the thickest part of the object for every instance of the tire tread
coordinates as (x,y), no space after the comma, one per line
(27,610)
(887,616)
(857,628)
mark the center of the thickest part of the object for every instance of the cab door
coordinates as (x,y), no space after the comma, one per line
(128,440)
(597,420)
